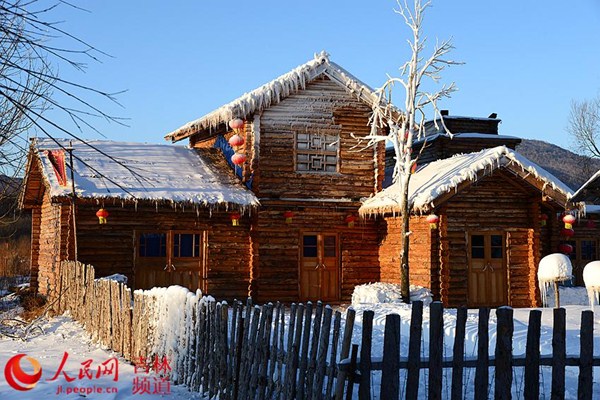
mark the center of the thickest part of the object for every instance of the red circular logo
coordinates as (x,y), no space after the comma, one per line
(19,379)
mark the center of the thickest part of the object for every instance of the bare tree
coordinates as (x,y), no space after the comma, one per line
(403,132)
(31,86)
(584,126)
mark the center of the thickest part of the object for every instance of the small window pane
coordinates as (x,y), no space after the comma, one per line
(330,246)
(588,250)
(477,252)
(310,246)
(497,240)
(496,252)
(153,245)
(477,240)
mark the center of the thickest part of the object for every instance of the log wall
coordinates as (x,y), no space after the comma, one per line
(277,255)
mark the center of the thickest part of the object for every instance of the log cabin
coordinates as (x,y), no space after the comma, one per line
(169,214)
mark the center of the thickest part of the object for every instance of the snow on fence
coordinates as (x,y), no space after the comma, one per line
(229,352)
(272,352)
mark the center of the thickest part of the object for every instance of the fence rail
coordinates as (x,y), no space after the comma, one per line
(245,351)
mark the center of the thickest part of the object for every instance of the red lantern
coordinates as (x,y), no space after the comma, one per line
(350,220)
(433,221)
(590,224)
(565,248)
(238,158)
(567,232)
(236,123)
(236,140)
(413,169)
(544,219)
(568,220)
(288,215)
(102,214)
(235,218)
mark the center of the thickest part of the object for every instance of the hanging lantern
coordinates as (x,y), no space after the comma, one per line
(568,220)
(102,215)
(544,219)
(433,221)
(350,220)
(567,232)
(236,123)
(289,216)
(565,248)
(413,169)
(238,158)
(236,140)
(235,218)
(590,224)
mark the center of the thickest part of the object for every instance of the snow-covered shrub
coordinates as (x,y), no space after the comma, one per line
(380,292)
(591,278)
(554,267)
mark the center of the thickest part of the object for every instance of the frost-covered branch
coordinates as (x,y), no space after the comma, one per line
(584,126)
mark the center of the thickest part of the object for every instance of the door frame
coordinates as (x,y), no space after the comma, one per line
(505,257)
(301,235)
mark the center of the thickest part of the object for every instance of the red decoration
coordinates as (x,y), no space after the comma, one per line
(102,215)
(413,169)
(57,159)
(235,218)
(288,215)
(590,224)
(238,158)
(565,248)
(544,219)
(567,232)
(236,123)
(350,220)
(569,220)
(236,140)
(433,221)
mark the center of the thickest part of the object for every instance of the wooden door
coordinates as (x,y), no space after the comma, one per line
(487,269)
(319,267)
(170,258)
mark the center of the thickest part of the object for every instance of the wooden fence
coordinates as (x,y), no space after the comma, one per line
(243,351)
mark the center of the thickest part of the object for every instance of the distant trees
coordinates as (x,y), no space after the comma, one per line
(584,126)
(411,126)
(34,97)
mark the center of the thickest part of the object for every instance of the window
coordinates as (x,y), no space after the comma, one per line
(316,152)
(153,245)
(186,245)
(179,244)
(477,246)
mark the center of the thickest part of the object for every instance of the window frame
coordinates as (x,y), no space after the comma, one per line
(325,153)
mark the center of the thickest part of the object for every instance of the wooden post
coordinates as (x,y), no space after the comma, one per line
(558,354)
(532,354)
(310,373)
(304,351)
(504,337)
(352,377)
(390,374)
(458,354)
(414,351)
(364,388)
(481,371)
(436,349)
(317,390)
(333,356)
(556,295)
(345,353)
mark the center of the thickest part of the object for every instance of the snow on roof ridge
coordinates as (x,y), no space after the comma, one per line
(145,171)
(273,92)
(442,176)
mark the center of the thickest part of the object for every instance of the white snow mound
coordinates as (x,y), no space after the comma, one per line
(591,275)
(380,292)
(555,267)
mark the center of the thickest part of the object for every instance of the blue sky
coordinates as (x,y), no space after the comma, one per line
(178,60)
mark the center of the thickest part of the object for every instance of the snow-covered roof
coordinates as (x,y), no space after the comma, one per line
(439,177)
(142,171)
(273,92)
(589,191)
(466,135)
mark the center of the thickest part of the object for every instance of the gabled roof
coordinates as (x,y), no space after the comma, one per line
(139,171)
(275,91)
(589,191)
(441,177)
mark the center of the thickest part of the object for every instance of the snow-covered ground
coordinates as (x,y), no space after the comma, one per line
(63,335)
(573,299)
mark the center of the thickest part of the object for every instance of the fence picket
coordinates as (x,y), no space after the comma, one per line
(273,352)
(414,350)
(458,354)
(558,354)
(436,349)
(317,390)
(364,388)
(332,370)
(532,353)
(504,336)
(314,344)
(482,374)
(303,365)
(287,385)
(352,374)
(390,373)
(345,353)
(586,355)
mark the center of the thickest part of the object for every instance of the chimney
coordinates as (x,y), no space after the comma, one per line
(493,116)
(444,113)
